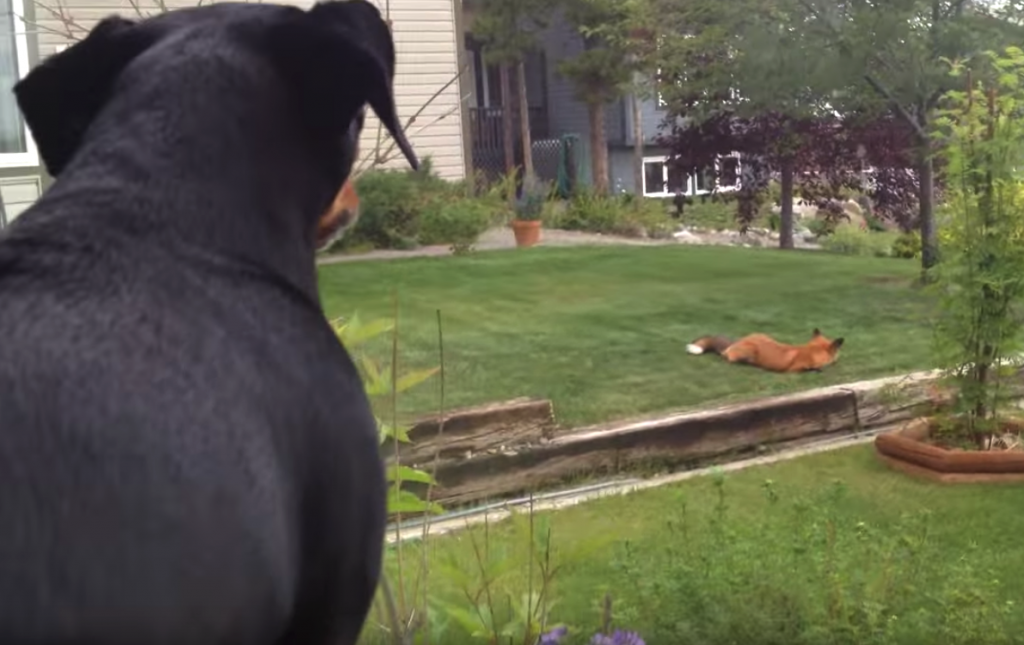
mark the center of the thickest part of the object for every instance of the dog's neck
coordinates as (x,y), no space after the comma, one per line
(212,162)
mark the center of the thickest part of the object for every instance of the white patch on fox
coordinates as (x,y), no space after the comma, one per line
(694,349)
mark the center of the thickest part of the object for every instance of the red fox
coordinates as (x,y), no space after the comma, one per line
(769,354)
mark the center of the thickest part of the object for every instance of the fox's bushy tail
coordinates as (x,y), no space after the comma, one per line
(709,345)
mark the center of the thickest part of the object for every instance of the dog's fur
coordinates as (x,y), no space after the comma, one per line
(763,351)
(187,455)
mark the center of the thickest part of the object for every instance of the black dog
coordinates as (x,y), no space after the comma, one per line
(187,455)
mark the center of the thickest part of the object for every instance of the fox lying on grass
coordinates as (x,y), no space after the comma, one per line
(763,351)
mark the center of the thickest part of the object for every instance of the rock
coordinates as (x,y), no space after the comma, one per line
(851,208)
(659,233)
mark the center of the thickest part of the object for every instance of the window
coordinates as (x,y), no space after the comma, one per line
(677,181)
(729,173)
(16,145)
(655,179)
(663,180)
(704,182)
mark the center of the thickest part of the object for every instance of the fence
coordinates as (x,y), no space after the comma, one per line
(563,162)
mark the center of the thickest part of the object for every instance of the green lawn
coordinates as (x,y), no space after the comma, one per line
(826,549)
(602,331)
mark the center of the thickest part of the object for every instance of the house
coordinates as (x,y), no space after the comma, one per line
(427,87)
(556,115)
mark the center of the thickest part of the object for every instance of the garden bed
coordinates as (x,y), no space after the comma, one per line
(532,459)
(913,449)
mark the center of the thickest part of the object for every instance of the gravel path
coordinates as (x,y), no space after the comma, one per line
(497,239)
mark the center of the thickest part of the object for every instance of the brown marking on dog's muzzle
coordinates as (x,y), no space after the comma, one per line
(343,213)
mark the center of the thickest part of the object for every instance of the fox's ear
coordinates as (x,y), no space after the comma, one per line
(816,332)
(837,343)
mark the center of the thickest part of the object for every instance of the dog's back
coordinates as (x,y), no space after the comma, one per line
(189,476)
(187,454)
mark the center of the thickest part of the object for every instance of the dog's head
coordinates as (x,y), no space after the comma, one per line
(335,59)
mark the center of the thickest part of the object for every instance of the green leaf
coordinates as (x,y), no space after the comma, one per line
(412,379)
(468,620)
(388,431)
(402,501)
(371,373)
(353,333)
(397,472)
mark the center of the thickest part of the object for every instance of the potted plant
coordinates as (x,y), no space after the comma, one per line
(976,435)
(526,222)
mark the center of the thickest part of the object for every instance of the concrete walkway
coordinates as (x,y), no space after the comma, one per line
(498,239)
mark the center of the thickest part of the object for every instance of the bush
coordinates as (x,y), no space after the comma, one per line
(907,245)
(391,204)
(458,222)
(711,214)
(620,215)
(853,240)
(820,227)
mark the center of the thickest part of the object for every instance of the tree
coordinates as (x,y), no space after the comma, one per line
(827,164)
(981,282)
(635,36)
(897,49)
(744,68)
(508,28)
(601,72)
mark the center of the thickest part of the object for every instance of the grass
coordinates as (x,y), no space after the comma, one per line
(602,331)
(829,548)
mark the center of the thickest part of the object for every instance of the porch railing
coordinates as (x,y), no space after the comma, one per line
(486,126)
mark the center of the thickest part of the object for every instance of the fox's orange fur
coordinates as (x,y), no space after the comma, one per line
(763,351)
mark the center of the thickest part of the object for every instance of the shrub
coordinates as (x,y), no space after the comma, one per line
(853,240)
(620,215)
(820,227)
(711,214)
(907,245)
(458,222)
(391,203)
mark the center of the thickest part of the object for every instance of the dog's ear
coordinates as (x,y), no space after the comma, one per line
(340,56)
(61,97)
(815,333)
(837,343)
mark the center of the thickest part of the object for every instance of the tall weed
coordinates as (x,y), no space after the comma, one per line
(808,573)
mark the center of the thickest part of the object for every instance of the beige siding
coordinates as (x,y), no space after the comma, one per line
(425,41)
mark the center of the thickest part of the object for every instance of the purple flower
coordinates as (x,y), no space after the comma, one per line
(619,637)
(554,637)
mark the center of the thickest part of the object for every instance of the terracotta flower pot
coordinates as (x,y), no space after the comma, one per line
(908,449)
(527,232)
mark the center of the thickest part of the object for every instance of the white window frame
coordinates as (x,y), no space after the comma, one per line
(718,173)
(661,99)
(31,155)
(691,181)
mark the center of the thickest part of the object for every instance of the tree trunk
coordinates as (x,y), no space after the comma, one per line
(598,149)
(638,147)
(508,140)
(926,215)
(524,123)
(786,206)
